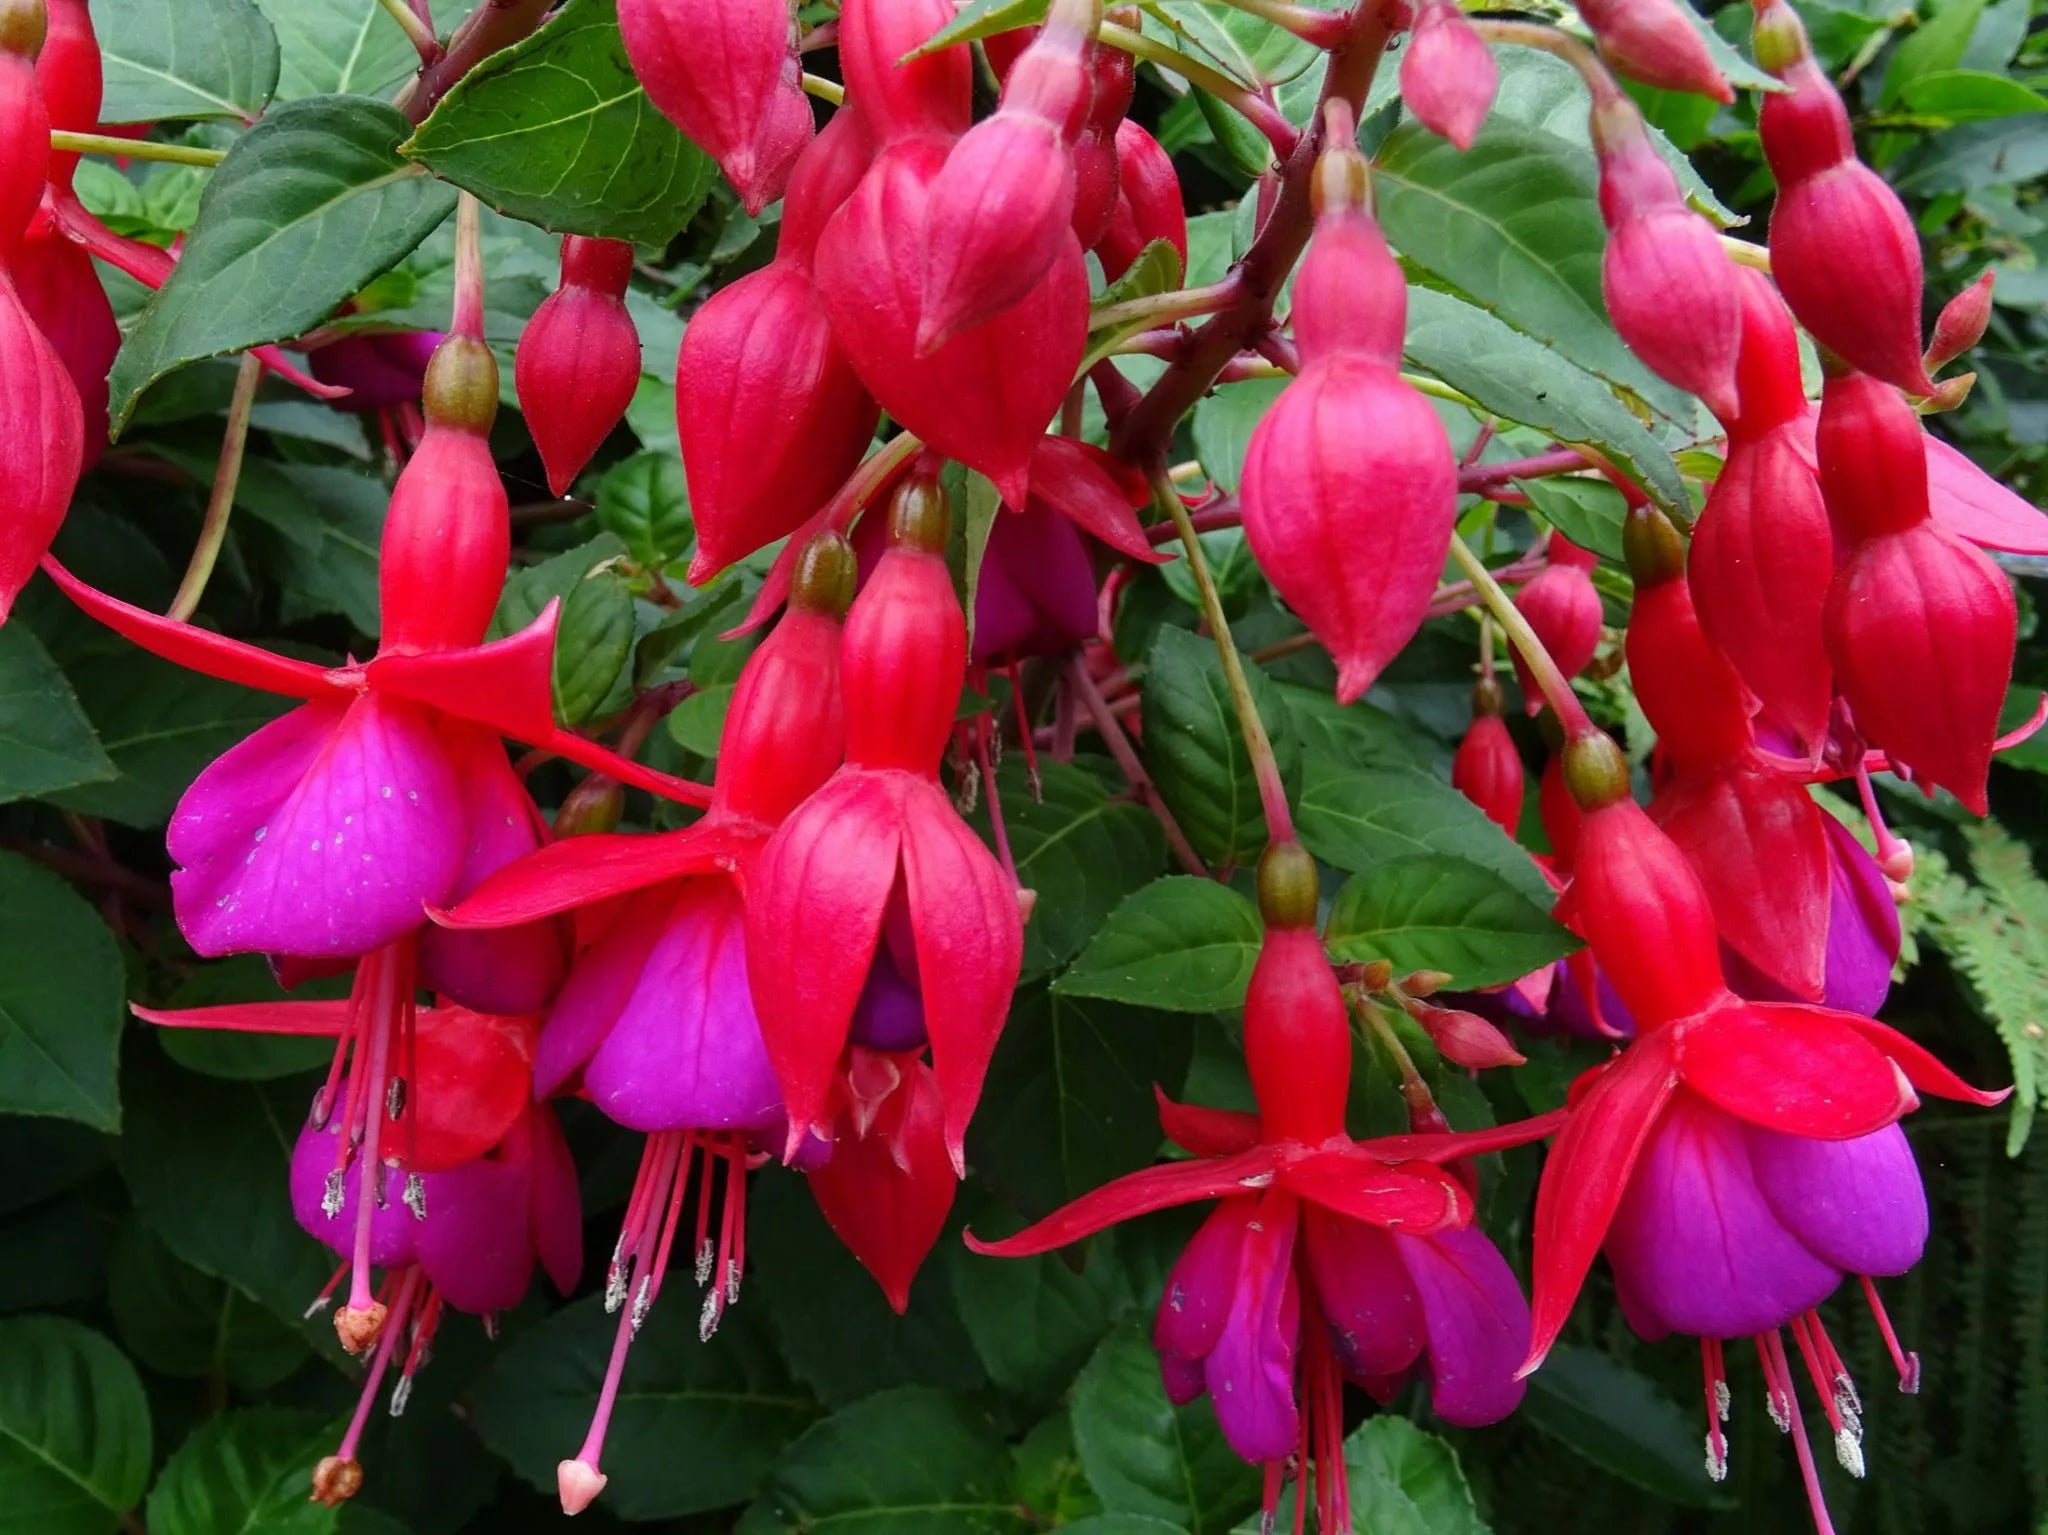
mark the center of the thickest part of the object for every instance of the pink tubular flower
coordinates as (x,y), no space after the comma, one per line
(1564,610)
(726,73)
(1487,768)
(579,358)
(1351,471)
(1448,75)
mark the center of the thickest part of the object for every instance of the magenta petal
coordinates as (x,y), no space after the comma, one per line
(601,980)
(1198,1292)
(510,971)
(1367,1296)
(1250,1372)
(685,1050)
(1863,926)
(1858,1205)
(476,1242)
(557,1201)
(394,1232)
(1478,1324)
(1183,1378)
(1694,1241)
(325,833)
(1036,595)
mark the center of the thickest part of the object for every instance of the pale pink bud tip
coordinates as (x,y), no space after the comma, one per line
(335,1480)
(577,1483)
(359,1326)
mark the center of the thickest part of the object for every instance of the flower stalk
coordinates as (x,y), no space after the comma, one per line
(1556,689)
(220,503)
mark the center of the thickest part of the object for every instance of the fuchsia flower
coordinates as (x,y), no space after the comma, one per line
(1325,1258)
(1487,768)
(579,358)
(1739,1158)
(656,1022)
(1105,159)
(883,830)
(1351,472)
(1564,610)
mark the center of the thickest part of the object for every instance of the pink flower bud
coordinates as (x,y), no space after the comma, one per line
(1448,75)
(769,412)
(1920,625)
(64,297)
(725,73)
(1149,205)
(1961,323)
(1653,42)
(1349,296)
(1001,213)
(983,397)
(579,358)
(1670,289)
(824,178)
(1564,610)
(1096,185)
(930,94)
(1487,769)
(1843,248)
(42,445)
(1465,1039)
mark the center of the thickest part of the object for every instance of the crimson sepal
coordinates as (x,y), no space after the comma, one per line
(44,446)
(1136,1194)
(1413,1197)
(888,1188)
(579,870)
(1918,1064)
(1095,491)
(1205,1132)
(1586,1175)
(1791,1068)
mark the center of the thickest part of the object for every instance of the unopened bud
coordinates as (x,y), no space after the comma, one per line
(1288,886)
(1448,74)
(825,576)
(594,805)
(919,518)
(1595,771)
(1778,39)
(1656,552)
(1951,393)
(1961,323)
(1375,975)
(1424,983)
(1464,1039)
(336,1479)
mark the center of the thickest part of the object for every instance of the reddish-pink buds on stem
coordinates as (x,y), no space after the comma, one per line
(1564,610)
(1297,1037)
(726,73)
(1148,205)
(906,642)
(1670,289)
(1448,75)
(1487,769)
(1919,624)
(1653,42)
(1843,248)
(1961,323)
(579,358)
(1349,485)
(902,97)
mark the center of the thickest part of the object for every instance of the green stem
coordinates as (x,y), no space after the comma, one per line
(213,531)
(1158,308)
(1323,28)
(1256,109)
(1528,34)
(1746,253)
(417,32)
(1556,690)
(468,318)
(825,90)
(133,149)
(1258,745)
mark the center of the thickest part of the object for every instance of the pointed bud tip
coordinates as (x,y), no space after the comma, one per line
(578,1483)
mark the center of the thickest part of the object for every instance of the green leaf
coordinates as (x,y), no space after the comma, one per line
(1223,425)
(1069,1102)
(1181,943)
(190,1325)
(46,741)
(697,1426)
(1144,1455)
(983,18)
(982,504)
(188,58)
(1607,1413)
(1967,95)
(1249,150)
(1436,912)
(2008,151)
(644,501)
(309,205)
(1080,850)
(245,1471)
(595,630)
(1035,1321)
(1410,1480)
(330,47)
(912,1461)
(1522,380)
(1936,45)
(1513,225)
(557,131)
(1590,513)
(74,1430)
(60,1000)
(1197,755)
(1156,271)
(1356,820)
(193,1150)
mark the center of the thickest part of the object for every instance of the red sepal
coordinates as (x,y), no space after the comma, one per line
(1135,1194)
(1794,1069)
(1097,493)
(1921,1069)
(1413,1197)
(1586,1175)
(580,870)
(1205,1132)
(886,1194)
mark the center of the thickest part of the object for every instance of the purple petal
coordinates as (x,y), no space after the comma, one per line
(383,369)
(511,971)
(476,1243)
(325,833)
(1858,1205)
(1863,926)
(1375,1318)
(393,1231)
(1183,1379)
(1694,1242)
(601,980)
(685,1051)
(890,1013)
(1478,1324)
(1197,1297)
(557,1201)
(1037,591)
(1250,1372)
